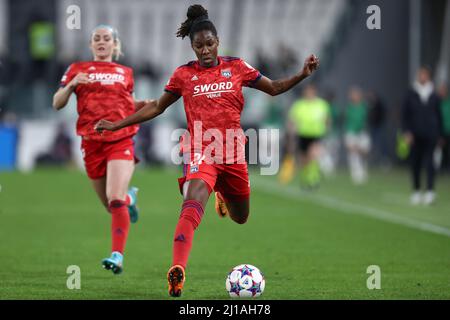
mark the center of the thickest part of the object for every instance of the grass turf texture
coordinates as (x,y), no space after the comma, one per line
(51,219)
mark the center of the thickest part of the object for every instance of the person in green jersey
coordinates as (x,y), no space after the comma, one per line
(308,121)
(357,141)
(445,111)
(331,144)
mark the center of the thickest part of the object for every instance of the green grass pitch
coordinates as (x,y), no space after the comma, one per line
(309,245)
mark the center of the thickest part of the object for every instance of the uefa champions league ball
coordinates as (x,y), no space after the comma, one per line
(245,281)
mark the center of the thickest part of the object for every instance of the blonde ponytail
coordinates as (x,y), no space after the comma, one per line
(117,52)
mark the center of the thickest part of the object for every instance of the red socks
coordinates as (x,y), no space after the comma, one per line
(120,224)
(191,215)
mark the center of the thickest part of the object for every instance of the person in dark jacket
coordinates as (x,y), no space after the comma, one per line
(422,128)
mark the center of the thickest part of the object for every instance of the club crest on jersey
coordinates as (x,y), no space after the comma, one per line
(194,169)
(226,73)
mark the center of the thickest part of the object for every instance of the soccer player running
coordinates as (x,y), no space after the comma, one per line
(309,119)
(357,141)
(104,89)
(211,88)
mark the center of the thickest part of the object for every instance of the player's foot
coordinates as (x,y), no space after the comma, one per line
(221,206)
(132,208)
(175,278)
(429,198)
(114,263)
(416,198)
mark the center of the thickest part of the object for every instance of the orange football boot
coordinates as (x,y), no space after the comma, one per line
(221,206)
(175,278)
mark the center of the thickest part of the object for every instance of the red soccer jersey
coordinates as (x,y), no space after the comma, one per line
(107,96)
(213,102)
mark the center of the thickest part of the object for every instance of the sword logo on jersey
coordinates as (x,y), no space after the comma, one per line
(213,90)
(107,78)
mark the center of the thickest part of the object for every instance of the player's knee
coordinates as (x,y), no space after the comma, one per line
(198,192)
(116,204)
(115,197)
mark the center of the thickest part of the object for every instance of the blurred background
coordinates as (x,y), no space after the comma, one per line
(275,36)
(319,239)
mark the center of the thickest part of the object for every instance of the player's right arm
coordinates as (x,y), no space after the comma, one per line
(151,110)
(61,97)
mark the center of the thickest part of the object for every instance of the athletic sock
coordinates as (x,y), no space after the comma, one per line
(120,224)
(190,217)
(314,173)
(304,175)
(310,174)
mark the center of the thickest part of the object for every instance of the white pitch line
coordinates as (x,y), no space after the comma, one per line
(346,207)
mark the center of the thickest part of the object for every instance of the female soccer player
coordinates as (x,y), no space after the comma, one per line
(104,89)
(212,92)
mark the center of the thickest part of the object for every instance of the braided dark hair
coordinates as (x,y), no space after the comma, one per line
(197,20)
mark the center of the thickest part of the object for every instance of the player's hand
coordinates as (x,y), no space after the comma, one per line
(105,125)
(80,78)
(311,64)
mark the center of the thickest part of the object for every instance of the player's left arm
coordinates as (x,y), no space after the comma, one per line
(149,111)
(276,87)
(139,104)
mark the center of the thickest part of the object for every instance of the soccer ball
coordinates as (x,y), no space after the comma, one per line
(245,281)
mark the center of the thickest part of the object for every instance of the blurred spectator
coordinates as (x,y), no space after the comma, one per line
(41,37)
(287,59)
(9,134)
(377,127)
(145,144)
(422,128)
(357,141)
(60,152)
(309,118)
(330,154)
(4,83)
(263,63)
(274,114)
(9,119)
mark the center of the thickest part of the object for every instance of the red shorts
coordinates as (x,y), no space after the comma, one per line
(231,180)
(96,154)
